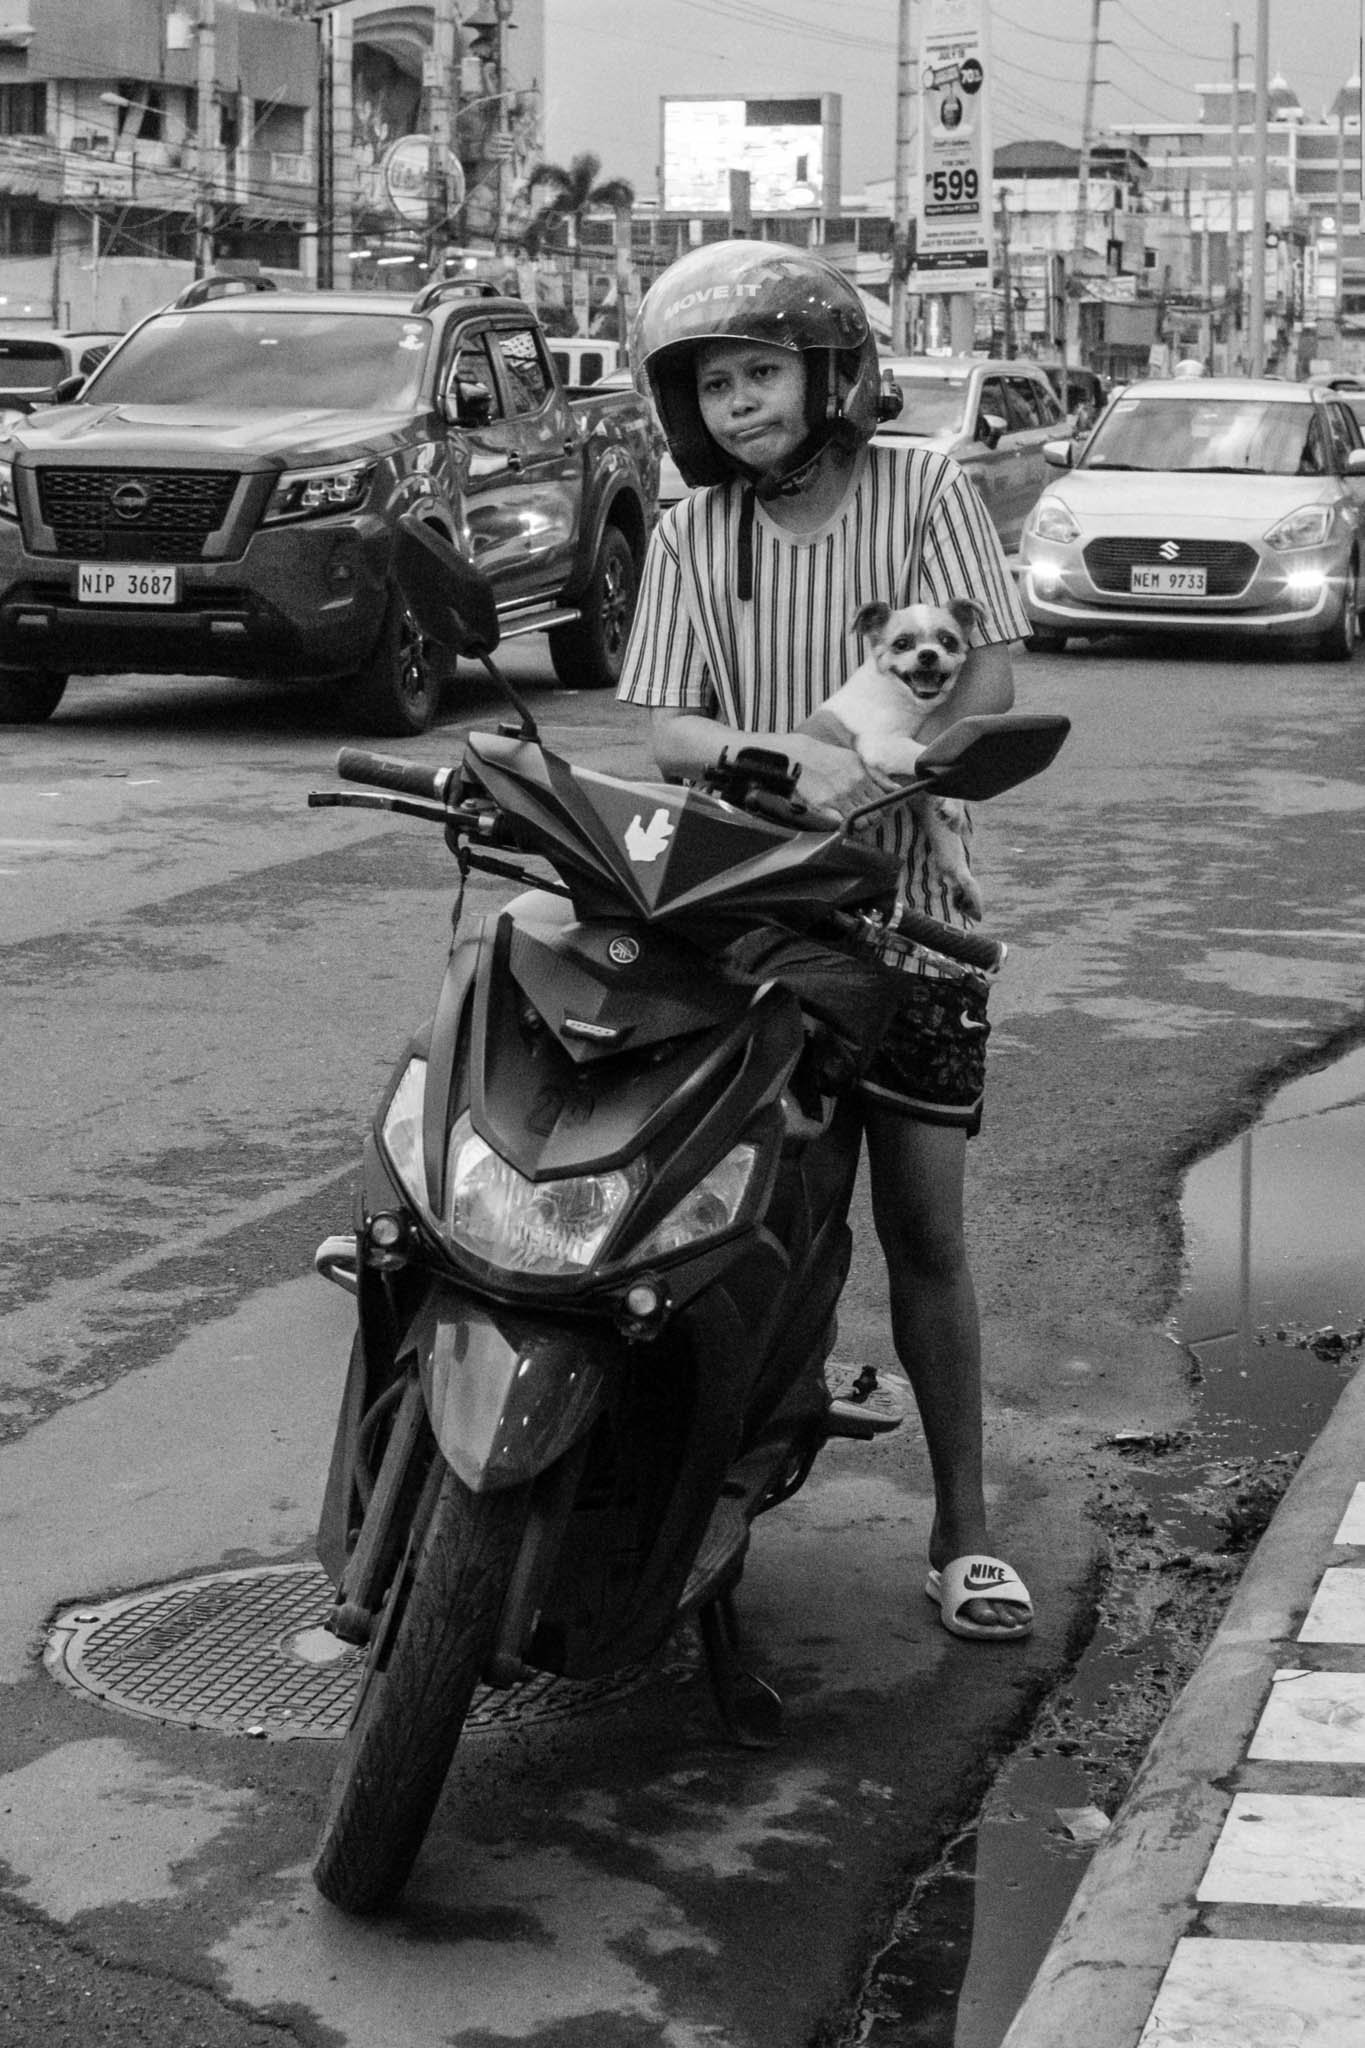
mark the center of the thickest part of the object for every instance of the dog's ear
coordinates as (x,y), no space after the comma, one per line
(966,613)
(871,617)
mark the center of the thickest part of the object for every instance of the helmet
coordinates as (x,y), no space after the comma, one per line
(762,292)
(1188,366)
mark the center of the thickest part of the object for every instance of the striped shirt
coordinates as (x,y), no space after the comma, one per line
(912,529)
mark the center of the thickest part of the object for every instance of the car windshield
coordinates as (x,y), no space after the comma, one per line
(254,358)
(1252,436)
(30,365)
(929,405)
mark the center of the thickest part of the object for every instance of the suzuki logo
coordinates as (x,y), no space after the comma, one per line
(129,500)
(647,842)
(1168,550)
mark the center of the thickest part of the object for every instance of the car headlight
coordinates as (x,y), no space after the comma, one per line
(705,1210)
(530,1226)
(1051,520)
(313,493)
(1309,527)
(8,507)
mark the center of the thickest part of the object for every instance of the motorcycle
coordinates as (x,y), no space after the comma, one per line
(600,1231)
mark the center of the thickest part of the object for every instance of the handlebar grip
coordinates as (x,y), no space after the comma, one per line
(973,949)
(384,771)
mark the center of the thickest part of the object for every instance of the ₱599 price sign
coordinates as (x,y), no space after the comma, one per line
(953,242)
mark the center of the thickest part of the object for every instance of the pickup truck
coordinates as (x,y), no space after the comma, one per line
(220,498)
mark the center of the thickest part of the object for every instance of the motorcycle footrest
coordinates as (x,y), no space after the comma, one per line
(865,1403)
(723,1545)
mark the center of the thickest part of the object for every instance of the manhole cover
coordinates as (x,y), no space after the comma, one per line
(246,1653)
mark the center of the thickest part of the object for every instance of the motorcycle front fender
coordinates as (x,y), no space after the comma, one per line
(507,1394)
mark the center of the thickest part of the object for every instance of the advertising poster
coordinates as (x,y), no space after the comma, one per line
(953,247)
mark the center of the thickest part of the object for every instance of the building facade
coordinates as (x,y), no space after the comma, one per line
(140,145)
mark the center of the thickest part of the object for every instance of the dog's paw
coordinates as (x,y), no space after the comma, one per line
(967,895)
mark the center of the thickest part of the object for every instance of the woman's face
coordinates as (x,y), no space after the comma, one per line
(753,401)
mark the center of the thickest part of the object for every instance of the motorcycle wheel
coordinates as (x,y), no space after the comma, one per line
(425,1660)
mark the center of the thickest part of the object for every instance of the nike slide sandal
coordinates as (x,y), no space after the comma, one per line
(979,1578)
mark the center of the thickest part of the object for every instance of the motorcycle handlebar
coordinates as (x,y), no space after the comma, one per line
(970,949)
(385,771)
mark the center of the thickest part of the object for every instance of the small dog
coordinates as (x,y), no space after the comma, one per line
(915,660)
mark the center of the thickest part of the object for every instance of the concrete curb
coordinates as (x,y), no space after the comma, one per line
(1102,1974)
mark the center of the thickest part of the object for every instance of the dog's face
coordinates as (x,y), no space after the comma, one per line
(922,645)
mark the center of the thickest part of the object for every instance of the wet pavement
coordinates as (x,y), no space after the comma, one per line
(1272,1315)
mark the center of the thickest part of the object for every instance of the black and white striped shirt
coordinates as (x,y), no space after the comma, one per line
(910,529)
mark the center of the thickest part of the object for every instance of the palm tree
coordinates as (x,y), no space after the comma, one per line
(573,193)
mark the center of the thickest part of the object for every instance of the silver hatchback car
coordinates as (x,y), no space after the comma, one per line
(1216,505)
(993,417)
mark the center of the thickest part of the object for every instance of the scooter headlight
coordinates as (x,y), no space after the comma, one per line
(400,1133)
(530,1226)
(707,1209)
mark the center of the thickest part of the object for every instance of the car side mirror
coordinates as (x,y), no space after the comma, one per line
(1058,454)
(890,399)
(67,390)
(1355,462)
(989,428)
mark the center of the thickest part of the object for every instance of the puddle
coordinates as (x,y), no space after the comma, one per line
(1273,1256)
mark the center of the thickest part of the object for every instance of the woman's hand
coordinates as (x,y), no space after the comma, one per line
(834,782)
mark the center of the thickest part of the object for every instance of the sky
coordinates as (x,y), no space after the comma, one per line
(608,63)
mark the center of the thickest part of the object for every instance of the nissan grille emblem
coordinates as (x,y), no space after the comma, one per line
(621,952)
(1168,550)
(129,500)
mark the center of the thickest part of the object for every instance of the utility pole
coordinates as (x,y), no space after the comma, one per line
(442,97)
(1006,281)
(206,135)
(1083,180)
(1258,221)
(902,230)
(1235,204)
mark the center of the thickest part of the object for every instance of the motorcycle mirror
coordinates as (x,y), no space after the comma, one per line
(979,757)
(976,758)
(451,602)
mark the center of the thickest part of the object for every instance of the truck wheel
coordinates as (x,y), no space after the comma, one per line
(398,692)
(424,1661)
(588,654)
(28,696)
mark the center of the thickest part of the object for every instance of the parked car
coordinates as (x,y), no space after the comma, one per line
(993,417)
(1208,506)
(35,360)
(221,499)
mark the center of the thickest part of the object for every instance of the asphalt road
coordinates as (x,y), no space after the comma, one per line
(205,984)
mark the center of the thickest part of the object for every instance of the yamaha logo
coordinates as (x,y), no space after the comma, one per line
(1168,550)
(623,952)
(129,500)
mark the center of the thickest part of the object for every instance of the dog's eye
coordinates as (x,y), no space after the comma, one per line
(903,643)
(949,642)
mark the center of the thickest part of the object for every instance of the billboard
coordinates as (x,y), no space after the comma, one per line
(953,240)
(789,149)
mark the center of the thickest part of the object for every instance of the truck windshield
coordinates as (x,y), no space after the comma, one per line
(255,359)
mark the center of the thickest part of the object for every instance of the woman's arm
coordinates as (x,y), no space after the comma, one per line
(833,779)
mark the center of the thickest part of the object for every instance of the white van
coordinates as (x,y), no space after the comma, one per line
(582,358)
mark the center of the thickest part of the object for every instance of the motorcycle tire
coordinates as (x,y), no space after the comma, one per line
(429,1649)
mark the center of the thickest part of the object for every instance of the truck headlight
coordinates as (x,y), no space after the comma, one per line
(314,493)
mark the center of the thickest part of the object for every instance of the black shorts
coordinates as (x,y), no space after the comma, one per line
(931,1063)
(911,1043)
